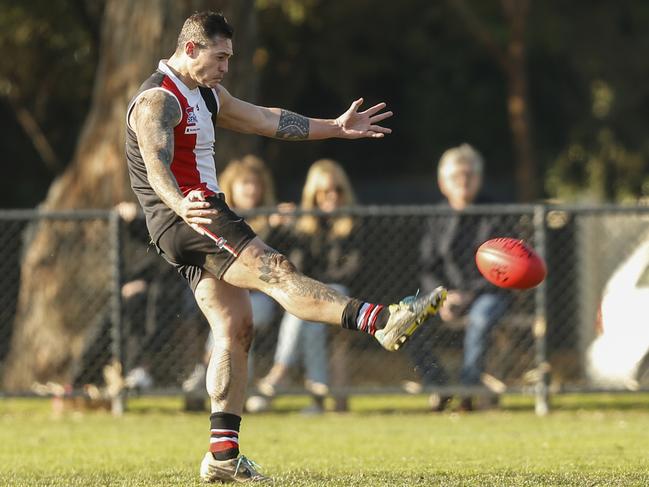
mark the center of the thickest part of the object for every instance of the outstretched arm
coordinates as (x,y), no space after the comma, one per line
(154,117)
(245,117)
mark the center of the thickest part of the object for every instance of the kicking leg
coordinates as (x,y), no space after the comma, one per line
(263,268)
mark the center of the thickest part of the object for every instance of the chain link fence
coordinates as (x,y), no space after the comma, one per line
(80,290)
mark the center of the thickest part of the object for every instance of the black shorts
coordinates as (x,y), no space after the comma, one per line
(186,249)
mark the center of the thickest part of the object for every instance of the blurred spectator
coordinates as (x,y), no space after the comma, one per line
(447,258)
(325,250)
(155,305)
(145,324)
(247,185)
(138,271)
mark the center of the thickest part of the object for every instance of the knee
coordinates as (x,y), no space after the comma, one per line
(484,319)
(478,324)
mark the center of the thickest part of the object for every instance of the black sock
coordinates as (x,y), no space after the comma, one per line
(366,317)
(224,435)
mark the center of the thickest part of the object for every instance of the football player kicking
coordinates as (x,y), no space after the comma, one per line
(170,151)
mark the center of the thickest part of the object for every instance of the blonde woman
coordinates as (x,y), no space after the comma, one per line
(247,185)
(327,188)
(325,249)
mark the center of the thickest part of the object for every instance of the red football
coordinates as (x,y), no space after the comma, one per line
(510,263)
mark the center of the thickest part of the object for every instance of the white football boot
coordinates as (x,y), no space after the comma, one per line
(239,469)
(407,316)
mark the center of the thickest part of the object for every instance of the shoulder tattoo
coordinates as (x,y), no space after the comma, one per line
(158,107)
(292,126)
(156,116)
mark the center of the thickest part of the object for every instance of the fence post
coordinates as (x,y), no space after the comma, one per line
(541,403)
(118,400)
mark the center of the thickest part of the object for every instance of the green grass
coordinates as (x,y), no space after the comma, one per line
(586,440)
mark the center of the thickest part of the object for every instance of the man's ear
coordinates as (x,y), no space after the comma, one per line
(191,49)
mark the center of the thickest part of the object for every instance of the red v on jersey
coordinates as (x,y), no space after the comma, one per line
(193,160)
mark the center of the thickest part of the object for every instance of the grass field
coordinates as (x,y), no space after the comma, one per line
(587,440)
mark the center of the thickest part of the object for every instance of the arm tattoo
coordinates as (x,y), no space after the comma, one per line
(157,115)
(155,118)
(292,126)
(276,269)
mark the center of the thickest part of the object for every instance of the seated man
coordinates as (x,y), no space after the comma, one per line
(447,255)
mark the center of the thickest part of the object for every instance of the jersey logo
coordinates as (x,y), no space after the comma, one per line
(192,120)
(191,116)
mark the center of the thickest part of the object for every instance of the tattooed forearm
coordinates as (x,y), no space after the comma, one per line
(276,269)
(164,185)
(155,116)
(292,126)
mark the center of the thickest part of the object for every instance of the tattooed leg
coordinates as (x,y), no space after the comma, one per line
(261,267)
(228,312)
(276,269)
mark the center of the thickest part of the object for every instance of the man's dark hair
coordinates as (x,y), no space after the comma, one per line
(202,27)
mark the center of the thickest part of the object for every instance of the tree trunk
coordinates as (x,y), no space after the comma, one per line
(518,109)
(65,273)
(243,79)
(512,62)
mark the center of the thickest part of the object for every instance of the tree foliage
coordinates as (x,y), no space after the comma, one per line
(315,56)
(49,51)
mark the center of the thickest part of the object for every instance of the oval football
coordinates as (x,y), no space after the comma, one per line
(510,263)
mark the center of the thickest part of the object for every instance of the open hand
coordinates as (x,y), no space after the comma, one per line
(356,125)
(455,305)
